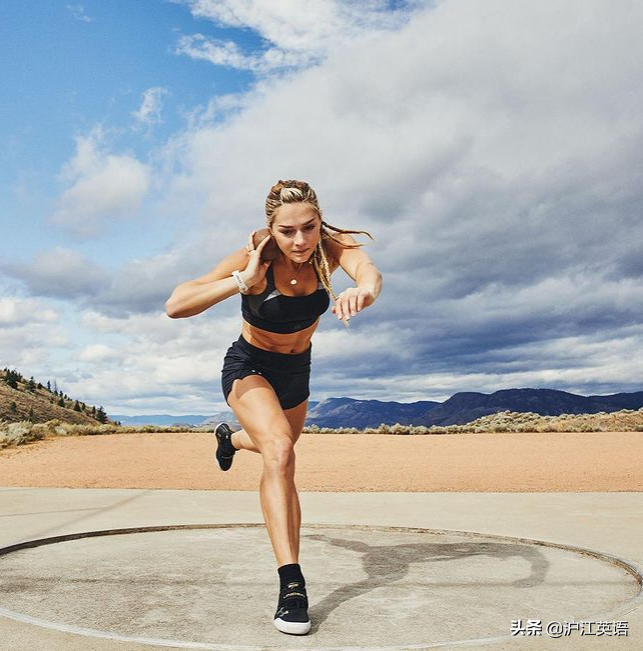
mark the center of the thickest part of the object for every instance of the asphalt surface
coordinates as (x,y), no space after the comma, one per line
(110,569)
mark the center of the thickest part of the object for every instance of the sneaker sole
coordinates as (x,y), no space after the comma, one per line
(293,628)
(215,453)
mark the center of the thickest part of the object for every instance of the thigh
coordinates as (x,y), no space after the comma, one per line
(297,417)
(256,406)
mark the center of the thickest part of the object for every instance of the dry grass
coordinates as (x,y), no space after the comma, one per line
(12,434)
(626,420)
(38,406)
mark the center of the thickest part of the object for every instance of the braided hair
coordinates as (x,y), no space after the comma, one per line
(299,191)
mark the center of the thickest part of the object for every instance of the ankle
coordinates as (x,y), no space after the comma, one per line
(290,572)
(232,441)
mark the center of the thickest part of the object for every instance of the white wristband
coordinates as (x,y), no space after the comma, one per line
(241,283)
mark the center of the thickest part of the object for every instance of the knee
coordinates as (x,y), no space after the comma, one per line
(279,455)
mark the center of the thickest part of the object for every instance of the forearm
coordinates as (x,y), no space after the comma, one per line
(368,277)
(194,297)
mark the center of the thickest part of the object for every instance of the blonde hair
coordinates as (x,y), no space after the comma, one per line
(300,192)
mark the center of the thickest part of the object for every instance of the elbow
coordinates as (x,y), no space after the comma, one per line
(172,309)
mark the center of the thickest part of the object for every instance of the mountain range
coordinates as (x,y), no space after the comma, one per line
(460,408)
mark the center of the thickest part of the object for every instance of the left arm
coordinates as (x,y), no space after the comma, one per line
(368,281)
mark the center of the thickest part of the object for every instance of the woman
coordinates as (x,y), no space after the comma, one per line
(266,371)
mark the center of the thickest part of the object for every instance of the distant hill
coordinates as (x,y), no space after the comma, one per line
(23,399)
(161,419)
(459,409)
(346,412)
(465,407)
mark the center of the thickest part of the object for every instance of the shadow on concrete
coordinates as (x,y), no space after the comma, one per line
(385,564)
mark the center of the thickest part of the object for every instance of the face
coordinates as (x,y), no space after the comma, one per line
(296,230)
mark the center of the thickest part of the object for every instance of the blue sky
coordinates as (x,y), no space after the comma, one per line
(70,67)
(493,149)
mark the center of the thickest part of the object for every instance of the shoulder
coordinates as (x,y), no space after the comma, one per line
(334,248)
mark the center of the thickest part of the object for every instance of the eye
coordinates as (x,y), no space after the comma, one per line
(310,227)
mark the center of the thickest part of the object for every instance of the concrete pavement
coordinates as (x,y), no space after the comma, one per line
(110,569)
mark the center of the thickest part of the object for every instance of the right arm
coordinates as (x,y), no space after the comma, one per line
(194,296)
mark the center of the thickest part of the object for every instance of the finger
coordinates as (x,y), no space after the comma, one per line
(263,243)
(360,302)
(251,242)
(338,307)
(353,305)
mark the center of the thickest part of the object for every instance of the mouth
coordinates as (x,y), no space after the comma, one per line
(300,252)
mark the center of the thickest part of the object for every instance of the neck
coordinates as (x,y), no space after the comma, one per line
(290,265)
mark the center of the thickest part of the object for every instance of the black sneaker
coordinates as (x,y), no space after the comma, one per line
(292,610)
(225,449)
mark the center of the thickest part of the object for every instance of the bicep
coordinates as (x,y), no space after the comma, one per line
(350,259)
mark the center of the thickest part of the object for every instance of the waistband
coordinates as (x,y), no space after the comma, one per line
(271,357)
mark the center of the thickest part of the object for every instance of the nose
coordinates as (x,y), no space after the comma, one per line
(300,239)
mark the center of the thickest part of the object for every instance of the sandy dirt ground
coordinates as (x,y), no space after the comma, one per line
(540,462)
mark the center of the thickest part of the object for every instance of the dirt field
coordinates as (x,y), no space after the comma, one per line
(538,462)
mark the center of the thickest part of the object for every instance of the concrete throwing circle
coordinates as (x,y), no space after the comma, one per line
(215,586)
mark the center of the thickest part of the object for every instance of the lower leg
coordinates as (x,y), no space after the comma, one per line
(294,521)
(241,441)
(282,513)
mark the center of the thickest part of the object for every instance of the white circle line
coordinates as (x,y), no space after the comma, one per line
(626,607)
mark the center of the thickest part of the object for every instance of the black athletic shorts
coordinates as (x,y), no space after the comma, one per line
(289,375)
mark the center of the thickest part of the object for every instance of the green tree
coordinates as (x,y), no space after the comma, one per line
(101,416)
(12,407)
(76,406)
(61,402)
(32,416)
(49,386)
(11,378)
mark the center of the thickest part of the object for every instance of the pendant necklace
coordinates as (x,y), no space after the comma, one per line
(294,280)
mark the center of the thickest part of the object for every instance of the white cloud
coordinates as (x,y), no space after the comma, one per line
(103,186)
(297,37)
(152,357)
(59,273)
(494,150)
(78,12)
(21,311)
(31,331)
(98,353)
(140,286)
(228,53)
(149,113)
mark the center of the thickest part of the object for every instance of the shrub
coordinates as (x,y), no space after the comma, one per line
(17,433)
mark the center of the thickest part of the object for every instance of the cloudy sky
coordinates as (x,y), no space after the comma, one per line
(494,149)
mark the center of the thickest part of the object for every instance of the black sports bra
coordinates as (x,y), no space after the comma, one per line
(273,311)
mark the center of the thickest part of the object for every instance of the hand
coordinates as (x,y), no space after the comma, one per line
(351,301)
(256,268)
